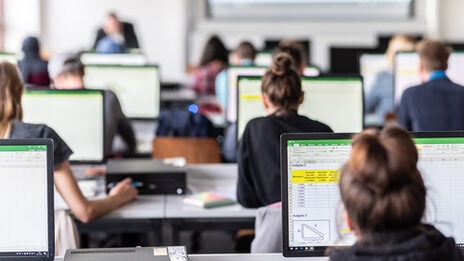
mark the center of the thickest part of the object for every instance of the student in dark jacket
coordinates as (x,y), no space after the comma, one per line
(122,33)
(259,149)
(437,104)
(33,68)
(384,198)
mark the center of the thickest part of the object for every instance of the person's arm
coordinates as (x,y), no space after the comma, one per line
(124,126)
(87,210)
(246,194)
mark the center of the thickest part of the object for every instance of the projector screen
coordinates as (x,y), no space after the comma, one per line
(311,9)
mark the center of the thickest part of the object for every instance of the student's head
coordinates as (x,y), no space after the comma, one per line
(214,51)
(66,71)
(31,47)
(433,56)
(295,51)
(399,43)
(11,90)
(281,86)
(381,188)
(245,51)
(112,25)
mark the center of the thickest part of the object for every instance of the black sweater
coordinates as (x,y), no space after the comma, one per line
(422,243)
(259,156)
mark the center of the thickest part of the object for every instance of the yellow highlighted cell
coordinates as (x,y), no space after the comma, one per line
(316,176)
(250,97)
(346,230)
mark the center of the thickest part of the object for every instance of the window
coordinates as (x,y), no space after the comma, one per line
(310,9)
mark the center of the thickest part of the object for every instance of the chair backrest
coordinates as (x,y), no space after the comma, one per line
(194,150)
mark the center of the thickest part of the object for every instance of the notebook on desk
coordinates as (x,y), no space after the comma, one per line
(311,203)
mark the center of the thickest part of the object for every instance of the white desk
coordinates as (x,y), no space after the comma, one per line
(243,257)
(145,207)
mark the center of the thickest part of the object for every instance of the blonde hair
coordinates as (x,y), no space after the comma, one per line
(11,91)
(399,43)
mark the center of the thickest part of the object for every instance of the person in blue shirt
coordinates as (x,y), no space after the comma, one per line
(438,103)
(379,100)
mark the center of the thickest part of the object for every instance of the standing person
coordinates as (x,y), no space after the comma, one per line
(384,198)
(438,103)
(67,72)
(12,127)
(213,60)
(33,68)
(259,153)
(121,33)
(379,101)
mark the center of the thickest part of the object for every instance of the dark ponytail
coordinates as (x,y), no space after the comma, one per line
(380,185)
(281,83)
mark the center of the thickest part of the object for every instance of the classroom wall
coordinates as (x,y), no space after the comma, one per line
(160,26)
(173,31)
(20,21)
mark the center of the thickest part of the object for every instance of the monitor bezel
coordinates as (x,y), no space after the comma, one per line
(50,196)
(157,89)
(284,138)
(102,93)
(344,76)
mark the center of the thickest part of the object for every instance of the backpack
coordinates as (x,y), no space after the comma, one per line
(183,123)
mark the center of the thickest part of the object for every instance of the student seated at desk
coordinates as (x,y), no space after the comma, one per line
(67,72)
(438,103)
(379,100)
(384,198)
(33,68)
(12,127)
(259,153)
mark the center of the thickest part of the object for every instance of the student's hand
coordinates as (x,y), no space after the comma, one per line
(95,172)
(124,191)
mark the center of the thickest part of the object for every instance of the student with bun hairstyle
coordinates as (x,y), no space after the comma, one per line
(385,199)
(259,153)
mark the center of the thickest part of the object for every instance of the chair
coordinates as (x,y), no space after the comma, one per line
(194,150)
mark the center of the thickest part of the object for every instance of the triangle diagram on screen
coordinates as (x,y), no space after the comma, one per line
(310,233)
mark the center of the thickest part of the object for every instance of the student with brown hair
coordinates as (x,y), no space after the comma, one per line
(258,159)
(12,127)
(295,50)
(438,103)
(384,198)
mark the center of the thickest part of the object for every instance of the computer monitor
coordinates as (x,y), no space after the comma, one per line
(116,58)
(76,115)
(406,71)
(9,57)
(370,66)
(26,197)
(137,87)
(335,101)
(236,71)
(263,58)
(311,204)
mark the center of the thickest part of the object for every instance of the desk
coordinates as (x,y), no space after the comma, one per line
(150,212)
(243,257)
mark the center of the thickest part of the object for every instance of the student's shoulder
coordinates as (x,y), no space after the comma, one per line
(313,125)
(21,129)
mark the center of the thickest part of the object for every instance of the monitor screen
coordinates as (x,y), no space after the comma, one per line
(407,71)
(77,116)
(27,204)
(137,87)
(235,72)
(114,58)
(263,58)
(313,200)
(323,99)
(9,57)
(370,66)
